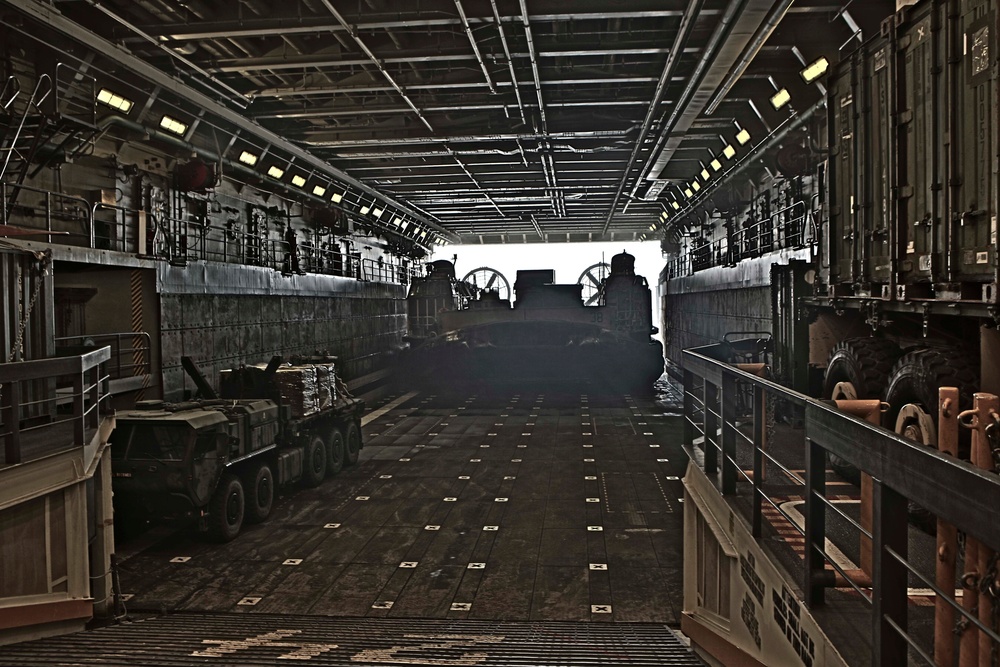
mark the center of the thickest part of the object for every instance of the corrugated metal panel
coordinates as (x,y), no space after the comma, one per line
(257,639)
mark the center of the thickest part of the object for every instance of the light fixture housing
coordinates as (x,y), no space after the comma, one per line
(676,206)
(365,209)
(378,212)
(705,175)
(743,136)
(715,164)
(729,151)
(248,158)
(173,125)
(688,193)
(695,185)
(664,215)
(319,190)
(781,98)
(298,181)
(815,69)
(114,100)
(337,197)
(274,171)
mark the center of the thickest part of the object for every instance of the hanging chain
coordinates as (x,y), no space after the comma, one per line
(25,314)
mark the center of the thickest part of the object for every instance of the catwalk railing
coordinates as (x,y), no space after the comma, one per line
(50,405)
(71,220)
(754,437)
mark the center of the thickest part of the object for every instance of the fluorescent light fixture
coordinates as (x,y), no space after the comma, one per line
(729,151)
(715,164)
(696,185)
(298,181)
(173,125)
(705,175)
(652,227)
(336,198)
(246,157)
(275,171)
(423,234)
(688,193)
(114,100)
(397,220)
(676,206)
(404,225)
(319,190)
(365,209)
(664,215)
(377,213)
(781,98)
(815,70)
(743,136)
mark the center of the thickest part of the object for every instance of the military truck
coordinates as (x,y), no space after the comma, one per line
(222,456)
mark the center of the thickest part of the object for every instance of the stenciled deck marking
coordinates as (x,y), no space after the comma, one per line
(391,405)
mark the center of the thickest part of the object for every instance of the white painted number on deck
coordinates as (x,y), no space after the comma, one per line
(409,654)
(224,648)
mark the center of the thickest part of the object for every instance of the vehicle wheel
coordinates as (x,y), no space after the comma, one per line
(226,509)
(352,441)
(260,498)
(912,395)
(314,465)
(336,453)
(859,368)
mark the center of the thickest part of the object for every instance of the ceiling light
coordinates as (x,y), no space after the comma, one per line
(336,198)
(423,234)
(319,190)
(377,213)
(705,175)
(652,227)
(780,98)
(815,70)
(743,136)
(173,125)
(715,164)
(275,172)
(298,181)
(696,185)
(114,100)
(676,206)
(397,220)
(729,151)
(404,225)
(664,215)
(246,157)
(688,193)
(365,209)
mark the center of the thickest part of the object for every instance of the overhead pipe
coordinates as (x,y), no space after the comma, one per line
(510,62)
(722,31)
(676,49)
(758,40)
(475,47)
(240,100)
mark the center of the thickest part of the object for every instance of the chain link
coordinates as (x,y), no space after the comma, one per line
(25,314)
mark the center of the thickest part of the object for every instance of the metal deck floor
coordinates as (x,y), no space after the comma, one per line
(531,506)
(522,507)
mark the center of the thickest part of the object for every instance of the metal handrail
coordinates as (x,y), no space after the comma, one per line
(901,470)
(140,353)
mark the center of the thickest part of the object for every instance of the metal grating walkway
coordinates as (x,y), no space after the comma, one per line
(262,639)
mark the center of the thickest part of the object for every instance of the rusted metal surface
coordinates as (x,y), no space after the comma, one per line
(947,536)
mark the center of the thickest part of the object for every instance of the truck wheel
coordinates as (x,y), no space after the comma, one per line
(912,395)
(858,369)
(336,453)
(260,484)
(352,440)
(314,465)
(225,510)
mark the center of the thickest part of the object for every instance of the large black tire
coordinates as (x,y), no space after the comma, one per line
(864,362)
(352,440)
(226,509)
(336,452)
(259,487)
(915,379)
(314,465)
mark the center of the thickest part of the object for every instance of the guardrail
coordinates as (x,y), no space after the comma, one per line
(130,350)
(738,420)
(50,405)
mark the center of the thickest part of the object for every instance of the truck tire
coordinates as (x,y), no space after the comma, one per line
(260,493)
(336,452)
(915,380)
(866,364)
(314,461)
(226,509)
(352,442)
